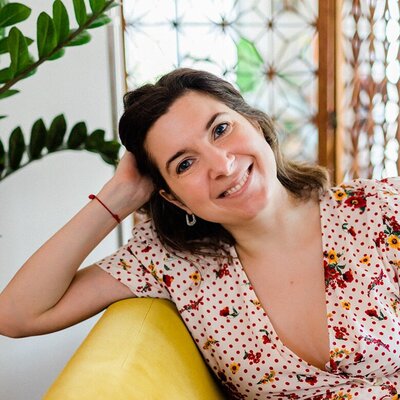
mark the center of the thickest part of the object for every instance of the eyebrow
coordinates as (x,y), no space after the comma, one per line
(183,151)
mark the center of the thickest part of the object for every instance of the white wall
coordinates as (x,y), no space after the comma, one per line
(39,199)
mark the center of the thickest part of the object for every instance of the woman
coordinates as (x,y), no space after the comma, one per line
(289,289)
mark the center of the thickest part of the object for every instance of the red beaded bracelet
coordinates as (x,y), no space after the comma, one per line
(115,216)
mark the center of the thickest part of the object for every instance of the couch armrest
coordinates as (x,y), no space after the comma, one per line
(139,349)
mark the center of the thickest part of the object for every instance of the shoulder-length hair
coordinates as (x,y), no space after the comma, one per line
(143,106)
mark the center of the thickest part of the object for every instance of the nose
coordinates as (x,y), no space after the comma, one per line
(220,162)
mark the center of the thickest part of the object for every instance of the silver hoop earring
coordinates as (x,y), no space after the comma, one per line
(190,219)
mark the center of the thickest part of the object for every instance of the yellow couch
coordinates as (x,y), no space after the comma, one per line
(138,350)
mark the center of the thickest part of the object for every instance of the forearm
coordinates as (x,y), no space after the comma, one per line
(45,277)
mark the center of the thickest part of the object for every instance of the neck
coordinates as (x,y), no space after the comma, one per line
(278,227)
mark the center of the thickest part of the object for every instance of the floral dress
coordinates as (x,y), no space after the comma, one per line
(361,243)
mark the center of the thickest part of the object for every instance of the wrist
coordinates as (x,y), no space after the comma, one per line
(115,216)
(120,199)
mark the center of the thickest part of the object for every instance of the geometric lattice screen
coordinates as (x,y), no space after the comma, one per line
(371,81)
(266,48)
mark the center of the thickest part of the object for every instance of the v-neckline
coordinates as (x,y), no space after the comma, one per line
(251,289)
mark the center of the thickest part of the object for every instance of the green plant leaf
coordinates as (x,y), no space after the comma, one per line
(80,12)
(58,54)
(110,151)
(16,148)
(31,72)
(5,75)
(38,139)
(56,133)
(109,160)
(8,93)
(112,4)
(61,21)
(2,158)
(82,38)
(4,44)
(46,35)
(97,5)
(249,65)
(95,140)
(18,48)
(100,21)
(13,13)
(77,136)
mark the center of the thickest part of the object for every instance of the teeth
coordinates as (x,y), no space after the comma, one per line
(239,185)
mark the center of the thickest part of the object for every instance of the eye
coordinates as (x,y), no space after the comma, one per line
(220,129)
(183,166)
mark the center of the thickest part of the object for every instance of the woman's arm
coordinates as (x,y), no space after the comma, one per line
(47,293)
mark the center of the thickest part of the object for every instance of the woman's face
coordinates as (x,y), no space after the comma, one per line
(216,163)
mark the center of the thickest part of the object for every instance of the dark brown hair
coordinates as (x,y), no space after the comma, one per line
(146,104)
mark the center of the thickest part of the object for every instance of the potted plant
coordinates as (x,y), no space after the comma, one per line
(53,35)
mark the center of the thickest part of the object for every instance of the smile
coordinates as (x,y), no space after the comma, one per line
(239,185)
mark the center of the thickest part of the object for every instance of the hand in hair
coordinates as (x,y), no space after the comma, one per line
(129,186)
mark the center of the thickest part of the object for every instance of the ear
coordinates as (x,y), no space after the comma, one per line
(174,200)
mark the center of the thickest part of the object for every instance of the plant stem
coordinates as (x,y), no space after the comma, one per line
(61,45)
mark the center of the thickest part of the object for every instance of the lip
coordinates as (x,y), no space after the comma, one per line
(224,195)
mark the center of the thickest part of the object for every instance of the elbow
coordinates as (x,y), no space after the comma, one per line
(14,331)
(11,332)
(10,327)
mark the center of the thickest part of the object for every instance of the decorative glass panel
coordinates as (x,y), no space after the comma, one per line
(371,72)
(266,48)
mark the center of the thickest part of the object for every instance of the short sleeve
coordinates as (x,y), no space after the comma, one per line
(388,237)
(136,264)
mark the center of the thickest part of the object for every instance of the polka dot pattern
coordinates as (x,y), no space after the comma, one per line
(361,238)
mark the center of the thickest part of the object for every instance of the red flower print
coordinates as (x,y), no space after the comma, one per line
(371,340)
(265,338)
(380,239)
(146,249)
(375,282)
(348,276)
(252,357)
(392,222)
(327,396)
(356,202)
(167,279)
(330,271)
(340,333)
(193,305)
(352,231)
(358,358)
(333,270)
(333,365)
(374,314)
(392,391)
(311,379)
(224,312)
(223,271)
